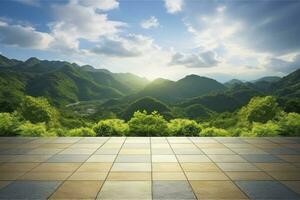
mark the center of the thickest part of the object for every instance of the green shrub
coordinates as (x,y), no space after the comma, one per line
(34,130)
(290,125)
(260,109)
(237,131)
(214,132)
(184,127)
(111,127)
(38,110)
(263,130)
(143,124)
(58,132)
(81,132)
(8,124)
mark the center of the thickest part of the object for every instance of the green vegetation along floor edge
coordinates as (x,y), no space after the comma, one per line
(260,117)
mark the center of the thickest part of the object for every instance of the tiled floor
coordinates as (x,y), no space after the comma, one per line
(150,168)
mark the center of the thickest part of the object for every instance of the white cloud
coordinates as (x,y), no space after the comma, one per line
(23,36)
(173,6)
(75,21)
(100,4)
(200,60)
(284,66)
(152,22)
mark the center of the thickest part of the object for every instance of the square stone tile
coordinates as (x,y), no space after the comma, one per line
(236,176)
(282,150)
(293,185)
(135,151)
(166,167)
(29,189)
(93,176)
(211,146)
(4,183)
(111,151)
(31,158)
(78,151)
(125,190)
(286,176)
(221,151)
(237,167)
(193,158)
(42,151)
(162,176)
(243,151)
(163,158)
(214,176)
(284,167)
(166,151)
(217,190)
(56,167)
(95,167)
(8,176)
(102,158)
(200,167)
(290,158)
(17,167)
(264,158)
(77,190)
(160,146)
(47,176)
(172,190)
(68,158)
(266,190)
(226,158)
(187,151)
(129,176)
(133,158)
(131,167)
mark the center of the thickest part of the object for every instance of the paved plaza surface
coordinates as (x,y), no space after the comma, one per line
(149,168)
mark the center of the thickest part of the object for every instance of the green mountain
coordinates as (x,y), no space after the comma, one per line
(175,91)
(270,79)
(233,82)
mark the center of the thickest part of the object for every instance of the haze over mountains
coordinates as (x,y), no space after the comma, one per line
(64,83)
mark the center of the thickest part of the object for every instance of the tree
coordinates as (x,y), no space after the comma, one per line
(290,125)
(143,124)
(34,130)
(111,127)
(184,127)
(213,132)
(38,110)
(262,130)
(260,109)
(8,124)
(81,132)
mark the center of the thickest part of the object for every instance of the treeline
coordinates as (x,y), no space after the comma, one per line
(262,116)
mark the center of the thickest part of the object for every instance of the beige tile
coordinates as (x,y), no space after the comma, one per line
(4,183)
(217,190)
(102,158)
(93,176)
(166,167)
(95,167)
(17,167)
(238,167)
(77,190)
(163,158)
(220,176)
(226,158)
(163,176)
(129,176)
(56,167)
(286,167)
(131,167)
(236,176)
(34,176)
(200,167)
(211,146)
(135,151)
(31,158)
(290,158)
(193,158)
(7,176)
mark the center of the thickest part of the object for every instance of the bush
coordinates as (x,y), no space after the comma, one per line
(81,132)
(143,124)
(8,124)
(58,132)
(38,110)
(111,127)
(33,130)
(263,130)
(260,109)
(290,125)
(237,131)
(184,127)
(214,132)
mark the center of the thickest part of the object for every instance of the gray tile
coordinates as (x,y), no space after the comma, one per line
(172,190)
(282,150)
(68,158)
(265,158)
(29,190)
(266,190)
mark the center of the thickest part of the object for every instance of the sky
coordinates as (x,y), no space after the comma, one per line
(158,38)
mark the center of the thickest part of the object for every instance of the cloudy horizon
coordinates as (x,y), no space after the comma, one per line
(164,38)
